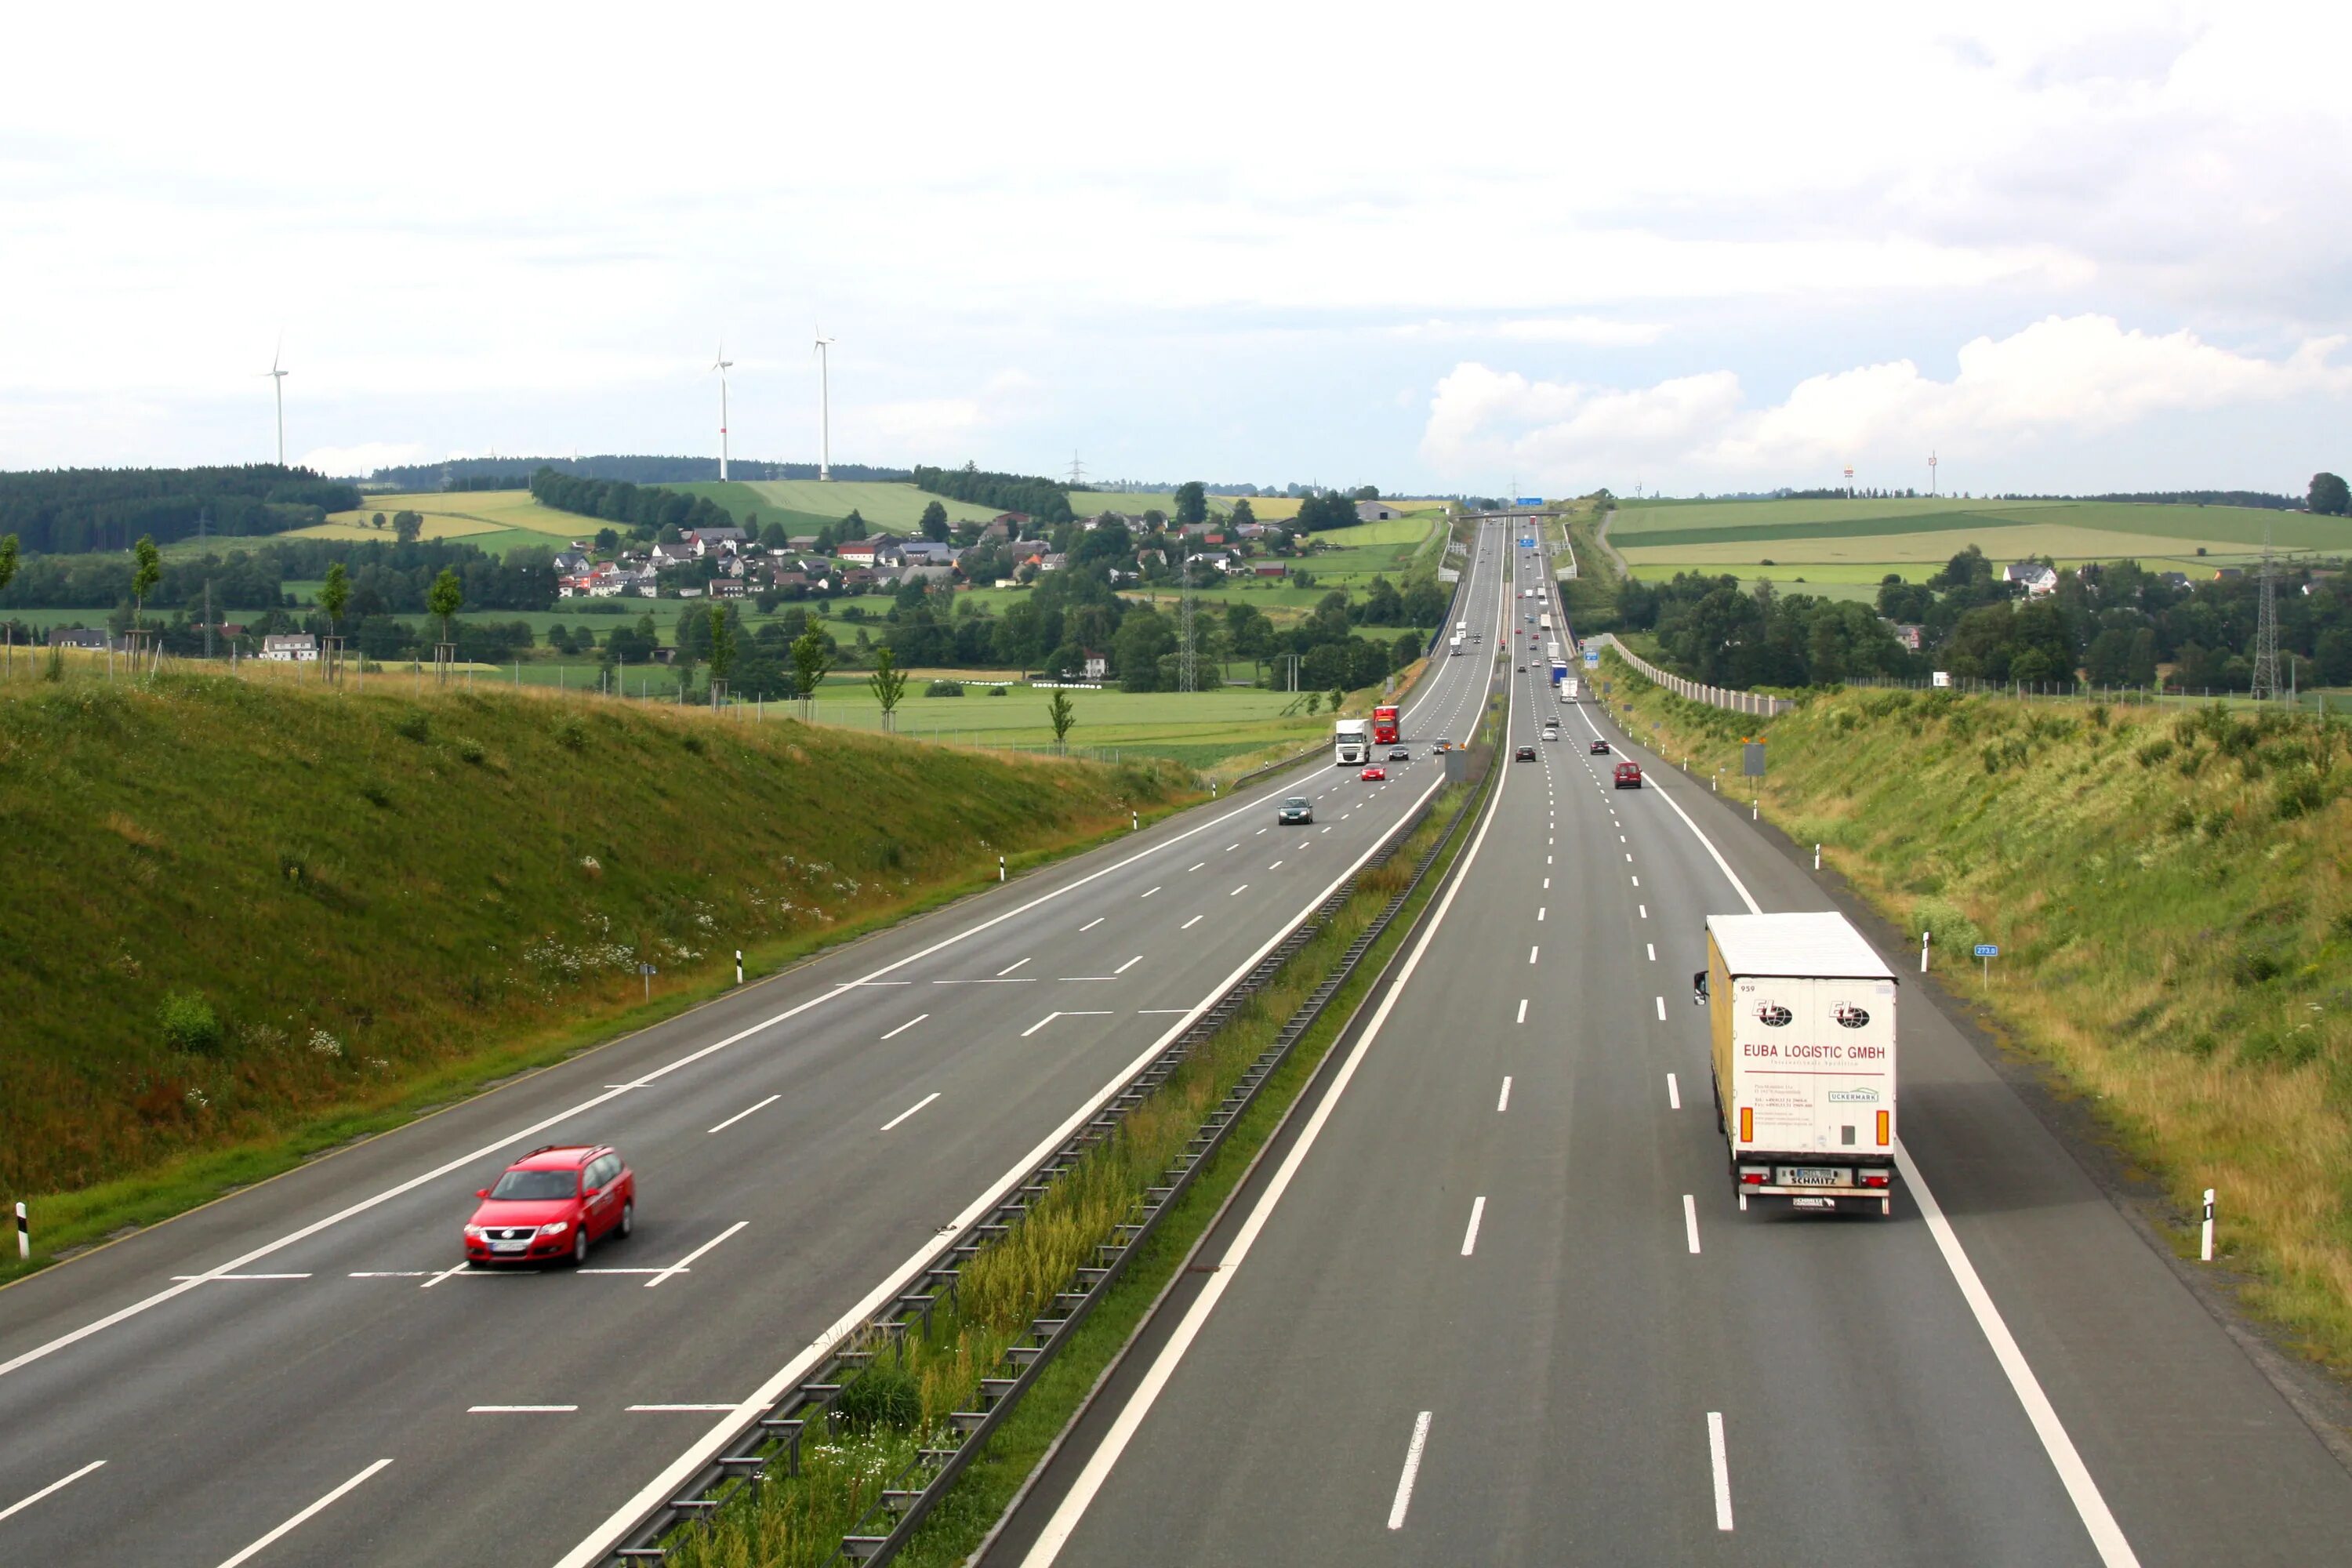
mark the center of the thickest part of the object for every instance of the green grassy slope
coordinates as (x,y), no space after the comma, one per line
(2174,915)
(373,891)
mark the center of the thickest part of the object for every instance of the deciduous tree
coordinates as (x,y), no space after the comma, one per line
(444,598)
(1061,713)
(888,683)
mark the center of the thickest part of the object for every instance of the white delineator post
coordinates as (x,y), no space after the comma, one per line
(739,966)
(25,1231)
(1000,868)
(1924,937)
(2204,1246)
(1817,856)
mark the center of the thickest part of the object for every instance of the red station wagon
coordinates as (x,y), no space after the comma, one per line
(553,1204)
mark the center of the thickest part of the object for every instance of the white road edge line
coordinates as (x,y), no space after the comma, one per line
(1411,1468)
(1690,1222)
(296,1523)
(56,1486)
(773,1097)
(912,1023)
(593,1549)
(2090,1505)
(1720,1462)
(1064,1521)
(911,1110)
(1470,1236)
(677,1409)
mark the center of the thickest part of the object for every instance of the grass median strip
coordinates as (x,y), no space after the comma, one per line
(904,1401)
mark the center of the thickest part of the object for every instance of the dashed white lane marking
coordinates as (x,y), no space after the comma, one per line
(1411,1468)
(1674,1093)
(1147,892)
(1237,893)
(773,1097)
(240,1276)
(1653,949)
(901,1117)
(458,1268)
(1531,955)
(1276,867)
(1196,865)
(1123,968)
(1503,1100)
(680,1265)
(1721,1465)
(1637,881)
(1523,1010)
(1629,856)
(1100,919)
(907,1025)
(1012,966)
(1188,925)
(294,1523)
(520,1409)
(1662,1010)
(1644,908)
(59,1485)
(1547,887)
(1539,914)
(1470,1236)
(1690,1221)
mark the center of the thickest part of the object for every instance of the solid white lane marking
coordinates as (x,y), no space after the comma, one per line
(1674,1093)
(1039,1024)
(1662,1010)
(677,1409)
(1652,948)
(2081,1489)
(1412,1468)
(1188,925)
(294,1523)
(907,1025)
(202,1277)
(1014,965)
(773,1097)
(1531,955)
(1100,919)
(1147,1011)
(1690,1221)
(1523,1010)
(1503,1100)
(1123,968)
(680,1265)
(22,1503)
(1721,1465)
(909,1111)
(1098,1466)
(389,1273)
(520,1409)
(1148,892)
(1470,1236)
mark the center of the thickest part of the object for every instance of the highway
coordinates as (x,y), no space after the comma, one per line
(1490,1299)
(301,1374)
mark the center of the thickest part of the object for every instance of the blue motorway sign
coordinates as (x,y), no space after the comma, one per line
(1987,950)
(1528,500)
(1592,658)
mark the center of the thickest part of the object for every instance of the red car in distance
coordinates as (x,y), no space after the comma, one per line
(1375,775)
(552,1204)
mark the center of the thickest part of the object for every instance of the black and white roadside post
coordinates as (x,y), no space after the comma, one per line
(25,1230)
(1817,856)
(1925,938)
(739,966)
(647,971)
(2204,1244)
(1000,868)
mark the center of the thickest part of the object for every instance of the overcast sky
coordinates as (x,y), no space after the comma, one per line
(1469,246)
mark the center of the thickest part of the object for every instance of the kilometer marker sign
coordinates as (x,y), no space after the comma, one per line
(1988,952)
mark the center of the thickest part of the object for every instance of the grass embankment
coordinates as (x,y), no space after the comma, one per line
(2171,896)
(254,919)
(899,1406)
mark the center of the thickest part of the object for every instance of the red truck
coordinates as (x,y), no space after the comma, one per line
(1384,726)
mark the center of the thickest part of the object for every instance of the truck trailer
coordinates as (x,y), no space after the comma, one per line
(1802,1016)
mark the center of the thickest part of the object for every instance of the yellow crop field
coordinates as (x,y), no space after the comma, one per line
(455,514)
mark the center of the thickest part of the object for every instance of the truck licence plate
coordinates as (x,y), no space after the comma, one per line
(1815,1176)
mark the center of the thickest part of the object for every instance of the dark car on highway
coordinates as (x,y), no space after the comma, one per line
(1297,808)
(1523,754)
(1400,754)
(552,1204)
(1599,748)
(1629,775)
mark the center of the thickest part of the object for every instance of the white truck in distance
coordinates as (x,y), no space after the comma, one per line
(1351,739)
(1802,1015)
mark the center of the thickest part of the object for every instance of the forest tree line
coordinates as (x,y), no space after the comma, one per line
(72,510)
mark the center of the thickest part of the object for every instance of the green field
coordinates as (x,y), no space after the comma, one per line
(898,508)
(1863,540)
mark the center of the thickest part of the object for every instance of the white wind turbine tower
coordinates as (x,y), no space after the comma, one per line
(722,364)
(277,381)
(823,406)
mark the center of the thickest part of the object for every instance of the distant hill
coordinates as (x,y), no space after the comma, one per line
(71,510)
(514,473)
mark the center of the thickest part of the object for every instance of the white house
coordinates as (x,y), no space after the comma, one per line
(300,649)
(2036,578)
(703,540)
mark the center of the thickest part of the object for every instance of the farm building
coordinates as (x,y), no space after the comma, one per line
(1375,511)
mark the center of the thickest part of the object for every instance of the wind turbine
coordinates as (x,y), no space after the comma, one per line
(824,407)
(722,364)
(278,382)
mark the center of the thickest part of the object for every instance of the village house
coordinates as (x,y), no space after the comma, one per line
(299,649)
(2034,577)
(926,552)
(79,636)
(703,542)
(1098,665)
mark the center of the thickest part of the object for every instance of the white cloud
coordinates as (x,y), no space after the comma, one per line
(2059,379)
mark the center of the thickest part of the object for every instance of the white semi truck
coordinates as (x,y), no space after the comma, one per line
(1351,741)
(1803,1015)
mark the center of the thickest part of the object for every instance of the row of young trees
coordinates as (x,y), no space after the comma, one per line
(645,509)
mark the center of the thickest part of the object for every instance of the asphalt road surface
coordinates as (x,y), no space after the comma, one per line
(300,1374)
(1491,1299)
